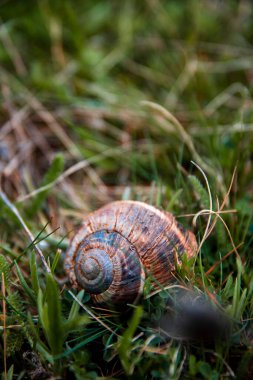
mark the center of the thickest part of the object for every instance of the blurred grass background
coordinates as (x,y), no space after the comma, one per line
(92,64)
(82,90)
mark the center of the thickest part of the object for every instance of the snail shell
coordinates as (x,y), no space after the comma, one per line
(121,244)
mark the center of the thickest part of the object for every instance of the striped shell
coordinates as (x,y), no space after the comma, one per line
(121,244)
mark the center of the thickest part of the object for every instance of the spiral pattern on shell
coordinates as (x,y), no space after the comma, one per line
(121,244)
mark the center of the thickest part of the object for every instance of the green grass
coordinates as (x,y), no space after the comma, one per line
(105,100)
